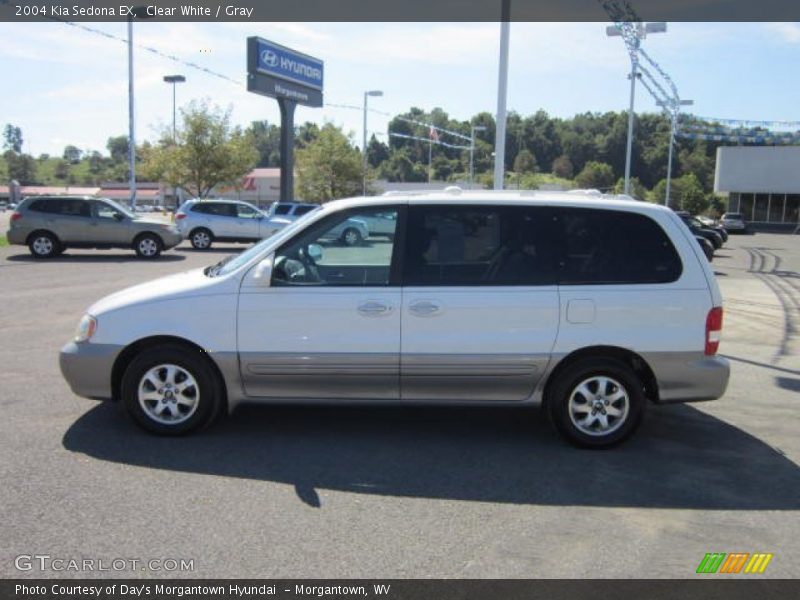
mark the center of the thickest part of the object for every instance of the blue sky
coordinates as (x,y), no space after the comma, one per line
(64,86)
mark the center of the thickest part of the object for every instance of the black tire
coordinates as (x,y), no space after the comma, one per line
(44,244)
(565,414)
(352,237)
(208,389)
(148,246)
(201,238)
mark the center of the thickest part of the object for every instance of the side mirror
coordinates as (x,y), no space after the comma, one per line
(119,216)
(261,275)
(315,252)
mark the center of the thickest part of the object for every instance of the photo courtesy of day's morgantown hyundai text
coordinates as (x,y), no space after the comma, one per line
(590,307)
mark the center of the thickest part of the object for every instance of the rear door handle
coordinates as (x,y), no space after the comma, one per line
(373,308)
(425,308)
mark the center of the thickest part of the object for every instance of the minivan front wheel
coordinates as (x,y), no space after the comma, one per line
(147,245)
(171,390)
(44,244)
(596,403)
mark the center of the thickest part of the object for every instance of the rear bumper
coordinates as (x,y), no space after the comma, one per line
(17,235)
(87,368)
(688,377)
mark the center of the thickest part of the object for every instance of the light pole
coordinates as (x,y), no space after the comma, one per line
(364,147)
(139,12)
(502,88)
(673,108)
(633,34)
(472,153)
(174,79)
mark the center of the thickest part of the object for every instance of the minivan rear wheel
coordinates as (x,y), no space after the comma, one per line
(596,402)
(44,244)
(171,390)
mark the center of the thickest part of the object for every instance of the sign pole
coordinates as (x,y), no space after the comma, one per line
(291,78)
(287,148)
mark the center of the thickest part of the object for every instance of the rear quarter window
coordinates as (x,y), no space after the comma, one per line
(614,247)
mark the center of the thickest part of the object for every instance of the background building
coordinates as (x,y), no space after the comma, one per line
(761,182)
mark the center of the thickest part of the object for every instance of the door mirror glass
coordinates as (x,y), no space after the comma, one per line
(315,252)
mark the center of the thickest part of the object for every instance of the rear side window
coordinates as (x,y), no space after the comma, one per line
(71,207)
(478,246)
(218,209)
(614,247)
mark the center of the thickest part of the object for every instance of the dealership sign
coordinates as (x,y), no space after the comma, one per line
(276,71)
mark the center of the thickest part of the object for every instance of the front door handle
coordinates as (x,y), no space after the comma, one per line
(373,308)
(425,308)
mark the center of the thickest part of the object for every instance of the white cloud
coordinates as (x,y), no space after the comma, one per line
(788,32)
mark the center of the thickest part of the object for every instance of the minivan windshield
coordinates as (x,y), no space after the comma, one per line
(233,262)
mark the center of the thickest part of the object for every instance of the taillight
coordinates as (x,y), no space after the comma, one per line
(15,216)
(713,330)
(179,216)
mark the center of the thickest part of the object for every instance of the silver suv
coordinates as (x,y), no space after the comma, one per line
(203,222)
(50,224)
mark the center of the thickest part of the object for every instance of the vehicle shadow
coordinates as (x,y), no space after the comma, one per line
(681,458)
(214,248)
(95,258)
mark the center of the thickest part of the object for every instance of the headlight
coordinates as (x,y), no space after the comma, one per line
(86,329)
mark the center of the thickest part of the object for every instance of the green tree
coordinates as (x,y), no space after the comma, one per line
(118,148)
(525,162)
(208,151)
(638,190)
(61,170)
(21,167)
(329,167)
(596,175)
(562,167)
(72,155)
(12,138)
(267,140)
(377,152)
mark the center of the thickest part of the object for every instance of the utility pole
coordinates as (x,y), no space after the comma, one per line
(502,89)
(632,32)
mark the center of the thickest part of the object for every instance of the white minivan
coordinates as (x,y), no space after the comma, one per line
(585,305)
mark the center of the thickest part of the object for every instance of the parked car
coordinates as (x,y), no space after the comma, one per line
(734,222)
(712,224)
(48,225)
(588,307)
(708,247)
(203,222)
(291,211)
(699,229)
(280,214)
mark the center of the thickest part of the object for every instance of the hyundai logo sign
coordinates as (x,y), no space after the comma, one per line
(269,58)
(278,61)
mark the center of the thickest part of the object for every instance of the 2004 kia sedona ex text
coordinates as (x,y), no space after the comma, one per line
(587,305)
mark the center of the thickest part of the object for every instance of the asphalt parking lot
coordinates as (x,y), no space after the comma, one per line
(398,492)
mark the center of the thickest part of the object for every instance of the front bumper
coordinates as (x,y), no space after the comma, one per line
(171,238)
(689,377)
(87,368)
